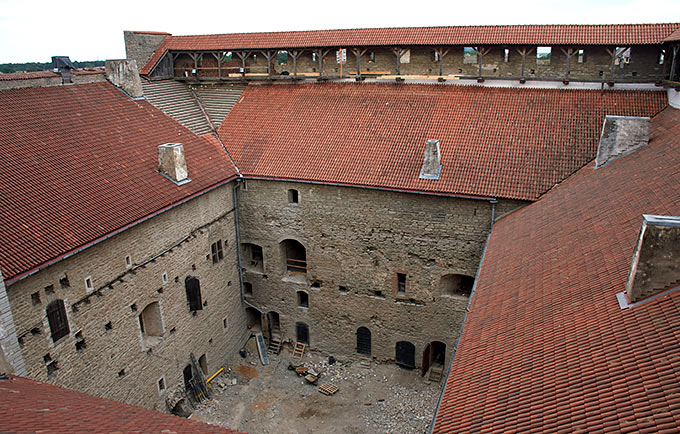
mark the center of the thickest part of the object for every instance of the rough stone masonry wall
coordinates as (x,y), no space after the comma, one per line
(115,364)
(359,239)
(140,46)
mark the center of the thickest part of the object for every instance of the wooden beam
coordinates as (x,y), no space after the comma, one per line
(295,54)
(481,52)
(244,55)
(398,51)
(321,54)
(614,53)
(441,52)
(358,53)
(269,55)
(219,56)
(524,51)
(674,65)
(569,52)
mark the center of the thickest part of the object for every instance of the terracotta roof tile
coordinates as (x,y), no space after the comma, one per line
(28,406)
(79,162)
(603,34)
(28,75)
(545,340)
(495,142)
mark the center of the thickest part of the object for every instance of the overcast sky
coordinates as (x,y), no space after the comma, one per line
(33,31)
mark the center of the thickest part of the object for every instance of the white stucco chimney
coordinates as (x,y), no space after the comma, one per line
(172,164)
(432,164)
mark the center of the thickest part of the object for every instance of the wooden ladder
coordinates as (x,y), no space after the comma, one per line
(274,344)
(436,373)
(299,350)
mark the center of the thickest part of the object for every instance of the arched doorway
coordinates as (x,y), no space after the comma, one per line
(434,356)
(253,317)
(295,256)
(364,341)
(302,332)
(405,354)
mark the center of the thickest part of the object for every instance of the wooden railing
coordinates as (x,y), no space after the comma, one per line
(296,266)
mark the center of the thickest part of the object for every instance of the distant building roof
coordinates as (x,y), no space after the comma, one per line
(79,163)
(546,346)
(495,142)
(601,34)
(28,75)
(28,406)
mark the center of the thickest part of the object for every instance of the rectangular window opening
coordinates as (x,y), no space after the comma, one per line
(161,384)
(506,55)
(216,252)
(35,298)
(543,55)
(401,283)
(469,55)
(88,284)
(580,56)
(128,261)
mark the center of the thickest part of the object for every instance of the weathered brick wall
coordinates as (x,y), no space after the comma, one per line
(140,46)
(191,228)
(359,239)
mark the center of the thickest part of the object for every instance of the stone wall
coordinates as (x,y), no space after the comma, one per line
(116,362)
(595,64)
(356,241)
(140,46)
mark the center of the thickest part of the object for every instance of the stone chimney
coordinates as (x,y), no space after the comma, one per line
(655,261)
(432,165)
(172,164)
(62,65)
(620,136)
(124,75)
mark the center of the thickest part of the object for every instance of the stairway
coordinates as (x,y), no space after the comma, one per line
(436,373)
(275,342)
(218,99)
(177,101)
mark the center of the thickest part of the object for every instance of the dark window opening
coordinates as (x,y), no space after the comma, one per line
(122,373)
(193,289)
(52,368)
(401,283)
(133,307)
(364,341)
(216,252)
(371,57)
(253,257)
(56,316)
(35,298)
(35,331)
(660,58)
(302,332)
(296,256)
(80,342)
(316,284)
(49,289)
(343,288)
(161,384)
(292,196)
(63,282)
(378,294)
(248,288)
(405,354)
(302,299)
(108,326)
(457,284)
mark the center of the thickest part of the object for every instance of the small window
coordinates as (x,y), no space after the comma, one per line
(224,323)
(371,57)
(469,55)
(88,284)
(151,324)
(248,288)
(161,384)
(580,56)
(49,289)
(228,56)
(314,57)
(80,342)
(302,299)
(35,298)
(401,283)
(436,57)
(543,55)
(254,59)
(164,278)
(456,284)
(193,289)
(57,319)
(661,57)
(343,288)
(282,57)
(292,196)
(128,261)
(622,56)
(506,55)
(216,252)
(405,56)
(108,326)
(63,282)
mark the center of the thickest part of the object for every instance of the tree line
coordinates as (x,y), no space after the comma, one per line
(6,68)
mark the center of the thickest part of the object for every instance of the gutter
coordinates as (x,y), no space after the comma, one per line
(467,311)
(238,249)
(96,241)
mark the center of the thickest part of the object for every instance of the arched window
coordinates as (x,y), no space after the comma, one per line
(193,288)
(302,299)
(56,316)
(405,354)
(302,332)
(456,284)
(151,324)
(364,341)
(292,196)
(295,255)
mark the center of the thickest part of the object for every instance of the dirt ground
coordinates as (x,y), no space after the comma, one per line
(372,397)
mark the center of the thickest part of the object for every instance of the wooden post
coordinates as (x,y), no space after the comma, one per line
(358,53)
(481,52)
(269,55)
(441,53)
(569,52)
(321,54)
(614,53)
(398,52)
(219,57)
(244,55)
(524,51)
(195,57)
(295,54)
(674,65)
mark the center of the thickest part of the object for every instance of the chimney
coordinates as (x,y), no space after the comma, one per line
(124,75)
(62,65)
(654,268)
(432,165)
(620,136)
(171,163)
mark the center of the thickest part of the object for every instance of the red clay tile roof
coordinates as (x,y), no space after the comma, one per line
(498,142)
(545,347)
(28,75)
(675,36)
(28,406)
(79,162)
(604,34)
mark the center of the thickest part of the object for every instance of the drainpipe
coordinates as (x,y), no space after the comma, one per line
(493,203)
(238,248)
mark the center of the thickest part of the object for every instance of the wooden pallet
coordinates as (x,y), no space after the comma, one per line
(299,350)
(328,389)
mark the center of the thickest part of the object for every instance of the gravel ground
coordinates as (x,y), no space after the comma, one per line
(372,397)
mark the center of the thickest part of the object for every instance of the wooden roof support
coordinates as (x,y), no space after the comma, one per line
(321,55)
(674,65)
(569,52)
(243,55)
(398,51)
(441,52)
(524,51)
(295,54)
(358,52)
(614,53)
(219,56)
(481,52)
(269,55)
(195,57)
